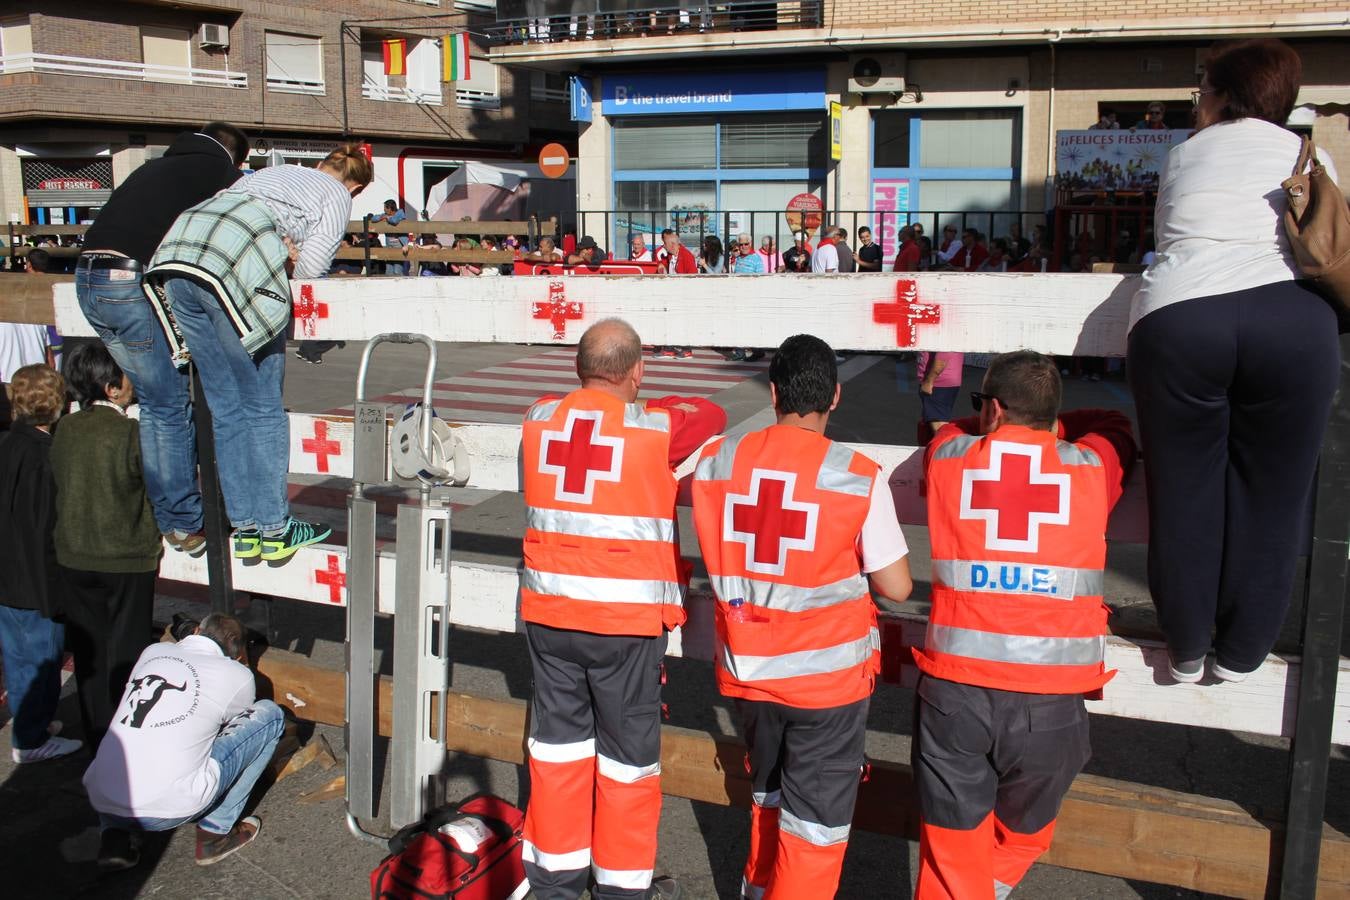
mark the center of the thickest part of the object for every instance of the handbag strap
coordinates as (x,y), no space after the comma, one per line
(1307,154)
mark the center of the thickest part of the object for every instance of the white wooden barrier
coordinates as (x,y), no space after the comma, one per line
(1065,314)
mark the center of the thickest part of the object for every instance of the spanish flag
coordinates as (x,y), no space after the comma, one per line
(395,56)
(455,56)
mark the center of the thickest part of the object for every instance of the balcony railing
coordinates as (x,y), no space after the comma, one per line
(282,85)
(478,99)
(394,94)
(549,95)
(109,68)
(616,19)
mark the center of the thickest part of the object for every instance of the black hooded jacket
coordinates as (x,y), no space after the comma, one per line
(144,206)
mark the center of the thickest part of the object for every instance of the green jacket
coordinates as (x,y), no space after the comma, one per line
(103,518)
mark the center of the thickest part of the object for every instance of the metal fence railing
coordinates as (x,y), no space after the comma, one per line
(533,21)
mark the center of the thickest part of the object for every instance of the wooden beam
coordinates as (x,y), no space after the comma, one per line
(1064,314)
(424,254)
(440,226)
(1105,826)
(26,299)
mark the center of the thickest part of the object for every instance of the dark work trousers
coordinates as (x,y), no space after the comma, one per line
(107,627)
(991,768)
(595,763)
(1232,394)
(805,765)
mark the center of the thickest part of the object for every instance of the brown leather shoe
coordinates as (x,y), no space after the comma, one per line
(212,847)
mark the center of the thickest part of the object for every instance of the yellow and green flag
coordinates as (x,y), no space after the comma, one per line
(455,57)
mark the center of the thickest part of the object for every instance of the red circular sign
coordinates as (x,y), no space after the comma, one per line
(804,213)
(553,160)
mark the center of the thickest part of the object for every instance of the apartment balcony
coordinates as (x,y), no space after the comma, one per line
(618,19)
(48,63)
(467,97)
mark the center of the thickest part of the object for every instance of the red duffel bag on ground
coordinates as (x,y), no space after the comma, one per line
(467,852)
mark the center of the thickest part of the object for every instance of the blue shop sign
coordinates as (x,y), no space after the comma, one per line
(580,92)
(664,93)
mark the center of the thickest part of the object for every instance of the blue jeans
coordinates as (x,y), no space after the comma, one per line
(31,645)
(252,431)
(242,751)
(122,317)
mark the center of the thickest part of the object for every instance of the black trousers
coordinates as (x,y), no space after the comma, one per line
(107,627)
(1232,393)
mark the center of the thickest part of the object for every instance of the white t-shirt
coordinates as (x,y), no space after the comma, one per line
(156,759)
(644,256)
(1219,220)
(21,345)
(881,542)
(825,259)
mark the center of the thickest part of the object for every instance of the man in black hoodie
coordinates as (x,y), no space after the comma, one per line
(108,283)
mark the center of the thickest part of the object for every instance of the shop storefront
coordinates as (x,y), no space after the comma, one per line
(739,143)
(65,191)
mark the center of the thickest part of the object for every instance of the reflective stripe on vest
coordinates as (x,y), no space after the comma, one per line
(956,447)
(635,415)
(1002,577)
(812,832)
(601,590)
(1073,455)
(599,525)
(835,475)
(747,668)
(1023,649)
(718,466)
(542,412)
(787,597)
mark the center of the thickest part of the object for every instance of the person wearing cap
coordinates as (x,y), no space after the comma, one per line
(1153,118)
(588,254)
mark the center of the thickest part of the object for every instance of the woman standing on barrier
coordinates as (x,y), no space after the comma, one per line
(1233,363)
(220,282)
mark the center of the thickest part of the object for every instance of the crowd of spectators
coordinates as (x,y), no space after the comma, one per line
(534,21)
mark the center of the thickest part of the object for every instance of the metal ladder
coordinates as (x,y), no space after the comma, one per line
(421,621)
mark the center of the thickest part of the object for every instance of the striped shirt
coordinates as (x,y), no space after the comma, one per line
(310,207)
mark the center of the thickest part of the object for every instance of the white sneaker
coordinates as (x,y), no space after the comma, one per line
(1186,671)
(53,748)
(1229,675)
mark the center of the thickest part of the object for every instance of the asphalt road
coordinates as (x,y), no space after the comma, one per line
(48,833)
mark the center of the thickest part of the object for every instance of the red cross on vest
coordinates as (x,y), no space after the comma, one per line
(1014,497)
(769,522)
(579,456)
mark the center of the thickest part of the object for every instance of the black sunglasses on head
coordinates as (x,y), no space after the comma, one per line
(977,399)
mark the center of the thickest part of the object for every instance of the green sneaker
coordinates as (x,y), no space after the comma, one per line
(247,543)
(297,534)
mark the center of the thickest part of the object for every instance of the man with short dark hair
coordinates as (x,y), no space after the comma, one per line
(118,247)
(1018,500)
(793,527)
(868,255)
(187,744)
(970,254)
(1153,119)
(846,261)
(603,583)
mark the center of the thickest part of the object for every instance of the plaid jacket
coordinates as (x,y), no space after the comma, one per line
(230,245)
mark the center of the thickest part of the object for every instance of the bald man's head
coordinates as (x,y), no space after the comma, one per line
(608,351)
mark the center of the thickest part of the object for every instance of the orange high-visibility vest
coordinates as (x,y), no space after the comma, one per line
(602,552)
(1017,520)
(778,514)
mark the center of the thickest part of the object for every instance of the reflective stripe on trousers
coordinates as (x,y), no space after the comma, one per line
(1003,577)
(747,668)
(1025,649)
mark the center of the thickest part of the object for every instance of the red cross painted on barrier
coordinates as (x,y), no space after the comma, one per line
(1014,497)
(333,577)
(906,313)
(579,456)
(769,522)
(321,446)
(308,311)
(558,310)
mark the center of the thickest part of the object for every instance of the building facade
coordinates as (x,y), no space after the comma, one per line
(90,90)
(943,110)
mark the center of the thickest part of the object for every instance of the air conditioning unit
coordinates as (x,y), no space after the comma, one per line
(877,74)
(212,35)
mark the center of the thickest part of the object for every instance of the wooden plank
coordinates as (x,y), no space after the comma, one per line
(26,298)
(1105,826)
(1065,314)
(443,226)
(422,254)
(33,228)
(487,597)
(54,252)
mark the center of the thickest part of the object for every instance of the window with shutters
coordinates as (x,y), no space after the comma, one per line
(294,63)
(16,45)
(167,53)
(480,89)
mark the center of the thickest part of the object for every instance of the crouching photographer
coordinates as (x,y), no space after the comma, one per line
(187,744)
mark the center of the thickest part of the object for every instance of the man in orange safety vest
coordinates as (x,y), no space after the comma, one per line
(603,581)
(788,523)
(1018,500)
